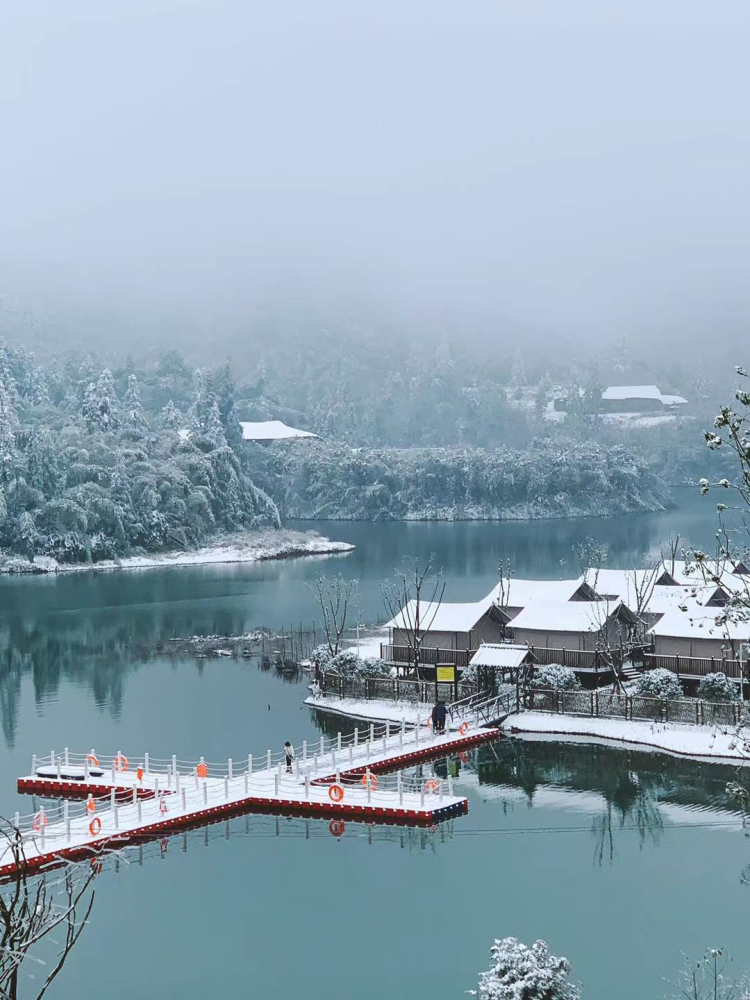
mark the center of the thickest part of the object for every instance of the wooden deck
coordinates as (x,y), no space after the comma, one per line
(690,667)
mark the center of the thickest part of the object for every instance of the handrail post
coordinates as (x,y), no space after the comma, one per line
(33,764)
(146,764)
(400,785)
(67,756)
(304,749)
(230,769)
(268,759)
(250,764)
(307,787)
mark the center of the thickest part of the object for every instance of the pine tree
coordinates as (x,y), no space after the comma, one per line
(203,399)
(133,416)
(225,394)
(214,430)
(9,427)
(100,405)
(171,416)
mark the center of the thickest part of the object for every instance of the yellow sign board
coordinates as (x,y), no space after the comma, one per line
(446,674)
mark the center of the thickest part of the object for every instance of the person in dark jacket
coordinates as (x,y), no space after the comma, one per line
(439,713)
(289,755)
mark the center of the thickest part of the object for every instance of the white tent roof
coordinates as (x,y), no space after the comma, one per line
(623,583)
(565,616)
(447,617)
(515,593)
(617,392)
(270,430)
(669,400)
(499,654)
(700,623)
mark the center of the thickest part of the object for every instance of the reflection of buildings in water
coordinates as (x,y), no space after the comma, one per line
(617,788)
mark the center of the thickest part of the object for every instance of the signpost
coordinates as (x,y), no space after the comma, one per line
(446,673)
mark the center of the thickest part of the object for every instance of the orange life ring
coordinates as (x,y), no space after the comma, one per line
(431,785)
(463,757)
(40,820)
(429,722)
(337,827)
(202,770)
(139,774)
(92,759)
(121,762)
(91,806)
(368,778)
(95,826)
(335,793)
(463,728)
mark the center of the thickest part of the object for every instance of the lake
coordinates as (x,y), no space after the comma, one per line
(621,860)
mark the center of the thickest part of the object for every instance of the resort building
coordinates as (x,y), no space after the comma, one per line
(268,431)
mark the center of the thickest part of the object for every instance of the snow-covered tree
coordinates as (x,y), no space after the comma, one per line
(132,408)
(658,683)
(100,404)
(518,972)
(225,395)
(555,676)
(718,687)
(171,416)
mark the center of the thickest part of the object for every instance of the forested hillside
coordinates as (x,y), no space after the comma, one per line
(553,477)
(88,472)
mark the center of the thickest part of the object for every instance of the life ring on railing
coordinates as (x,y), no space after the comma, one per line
(337,827)
(121,762)
(428,723)
(368,778)
(139,774)
(335,793)
(92,759)
(40,821)
(463,728)
(431,785)
(202,770)
(91,806)
(463,757)
(162,805)
(95,826)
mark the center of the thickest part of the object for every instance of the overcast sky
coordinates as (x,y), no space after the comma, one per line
(581,165)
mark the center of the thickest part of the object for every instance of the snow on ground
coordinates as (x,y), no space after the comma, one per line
(689,741)
(373,710)
(241,548)
(369,645)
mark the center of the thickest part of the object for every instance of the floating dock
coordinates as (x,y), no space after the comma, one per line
(127,799)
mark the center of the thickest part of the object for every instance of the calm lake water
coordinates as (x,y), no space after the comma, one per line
(620,860)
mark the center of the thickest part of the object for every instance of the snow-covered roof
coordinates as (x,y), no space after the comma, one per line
(626,584)
(445,618)
(669,400)
(516,593)
(499,654)
(700,623)
(565,616)
(271,430)
(615,392)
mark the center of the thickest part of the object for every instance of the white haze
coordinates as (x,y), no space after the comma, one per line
(580,167)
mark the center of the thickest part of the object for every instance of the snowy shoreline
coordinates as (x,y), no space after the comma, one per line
(707,743)
(242,548)
(710,743)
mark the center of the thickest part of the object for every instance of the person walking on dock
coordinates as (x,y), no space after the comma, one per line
(439,713)
(289,754)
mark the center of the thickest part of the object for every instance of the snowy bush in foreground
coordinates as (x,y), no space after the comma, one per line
(373,666)
(555,676)
(346,662)
(518,972)
(718,687)
(321,656)
(658,683)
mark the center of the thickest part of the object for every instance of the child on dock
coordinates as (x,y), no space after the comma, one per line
(289,754)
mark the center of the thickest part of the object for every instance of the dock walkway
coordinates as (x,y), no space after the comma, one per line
(128,799)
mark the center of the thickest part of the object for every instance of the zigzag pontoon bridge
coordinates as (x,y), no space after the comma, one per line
(359,777)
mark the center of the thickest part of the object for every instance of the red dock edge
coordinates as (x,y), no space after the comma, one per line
(205,817)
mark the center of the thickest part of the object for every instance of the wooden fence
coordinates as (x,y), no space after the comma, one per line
(389,689)
(576,659)
(606,704)
(697,666)
(428,655)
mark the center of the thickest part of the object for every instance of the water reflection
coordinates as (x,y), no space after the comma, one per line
(620,789)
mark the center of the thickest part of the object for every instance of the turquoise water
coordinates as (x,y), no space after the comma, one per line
(620,860)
